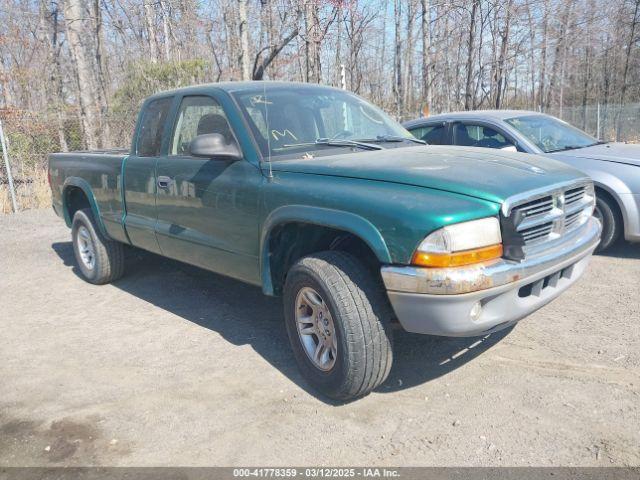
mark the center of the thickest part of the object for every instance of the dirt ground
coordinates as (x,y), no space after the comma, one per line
(176,366)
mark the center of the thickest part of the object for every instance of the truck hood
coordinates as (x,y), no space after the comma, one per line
(608,152)
(491,175)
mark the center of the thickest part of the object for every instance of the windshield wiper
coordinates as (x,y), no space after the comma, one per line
(392,138)
(337,143)
(568,147)
(576,147)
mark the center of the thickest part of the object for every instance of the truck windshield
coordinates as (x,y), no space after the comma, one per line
(550,134)
(288,121)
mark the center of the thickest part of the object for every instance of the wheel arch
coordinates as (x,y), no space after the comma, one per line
(613,197)
(77,194)
(334,223)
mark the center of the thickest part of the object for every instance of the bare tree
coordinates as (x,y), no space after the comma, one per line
(502,58)
(630,42)
(79,64)
(150,27)
(426,47)
(245,62)
(82,46)
(49,30)
(469,91)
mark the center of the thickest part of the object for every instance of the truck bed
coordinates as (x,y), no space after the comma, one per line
(99,170)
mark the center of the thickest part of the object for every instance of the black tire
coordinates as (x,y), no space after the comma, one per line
(607,212)
(108,256)
(361,316)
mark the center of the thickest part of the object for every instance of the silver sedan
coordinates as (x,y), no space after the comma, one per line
(614,167)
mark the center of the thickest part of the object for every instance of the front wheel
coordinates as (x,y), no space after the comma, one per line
(607,213)
(337,319)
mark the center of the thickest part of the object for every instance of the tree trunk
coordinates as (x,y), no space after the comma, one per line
(53,87)
(230,22)
(558,59)
(150,27)
(397,12)
(426,47)
(532,56)
(383,53)
(337,76)
(82,46)
(502,58)
(408,58)
(273,51)
(166,29)
(245,61)
(469,93)
(312,41)
(625,72)
(542,90)
(101,76)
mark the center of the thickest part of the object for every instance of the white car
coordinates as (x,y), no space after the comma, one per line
(614,167)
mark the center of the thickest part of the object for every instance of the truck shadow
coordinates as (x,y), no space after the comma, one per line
(622,249)
(242,315)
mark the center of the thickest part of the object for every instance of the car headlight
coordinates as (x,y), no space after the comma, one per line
(460,244)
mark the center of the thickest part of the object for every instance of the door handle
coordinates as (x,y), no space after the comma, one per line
(164,182)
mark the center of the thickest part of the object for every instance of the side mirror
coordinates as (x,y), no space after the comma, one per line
(213,145)
(509,148)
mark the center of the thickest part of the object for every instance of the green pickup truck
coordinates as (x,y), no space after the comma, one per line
(317,196)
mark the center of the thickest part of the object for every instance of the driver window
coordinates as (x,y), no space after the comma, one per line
(198,116)
(473,135)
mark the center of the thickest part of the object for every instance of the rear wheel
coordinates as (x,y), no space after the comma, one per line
(337,319)
(100,260)
(607,213)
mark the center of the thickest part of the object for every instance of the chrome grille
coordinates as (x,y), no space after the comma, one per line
(574,195)
(536,207)
(571,219)
(537,232)
(531,222)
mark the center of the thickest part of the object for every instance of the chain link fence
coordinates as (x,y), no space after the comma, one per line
(31,136)
(608,122)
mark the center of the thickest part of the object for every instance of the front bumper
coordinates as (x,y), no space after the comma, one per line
(480,299)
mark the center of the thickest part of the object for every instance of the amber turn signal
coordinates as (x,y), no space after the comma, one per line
(457,259)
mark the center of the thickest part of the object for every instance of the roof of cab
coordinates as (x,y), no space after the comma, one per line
(239,86)
(472,114)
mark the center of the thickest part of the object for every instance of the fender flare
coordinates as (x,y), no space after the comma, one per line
(326,217)
(613,186)
(86,189)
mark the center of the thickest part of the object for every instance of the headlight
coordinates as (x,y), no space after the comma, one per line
(460,244)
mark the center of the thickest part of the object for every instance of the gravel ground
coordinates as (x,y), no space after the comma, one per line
(176,366)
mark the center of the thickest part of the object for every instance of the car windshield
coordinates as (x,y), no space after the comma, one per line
(550,134)
(289,121)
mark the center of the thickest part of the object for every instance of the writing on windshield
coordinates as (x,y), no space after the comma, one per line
(290,120)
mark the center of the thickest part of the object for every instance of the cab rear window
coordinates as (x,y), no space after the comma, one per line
(152,125)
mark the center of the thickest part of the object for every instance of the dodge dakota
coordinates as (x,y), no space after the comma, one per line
(317,196)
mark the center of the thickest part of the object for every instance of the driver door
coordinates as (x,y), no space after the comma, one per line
(207,208)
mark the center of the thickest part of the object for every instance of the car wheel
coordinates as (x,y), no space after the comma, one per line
(100,260)
(338,322)
(607,213)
